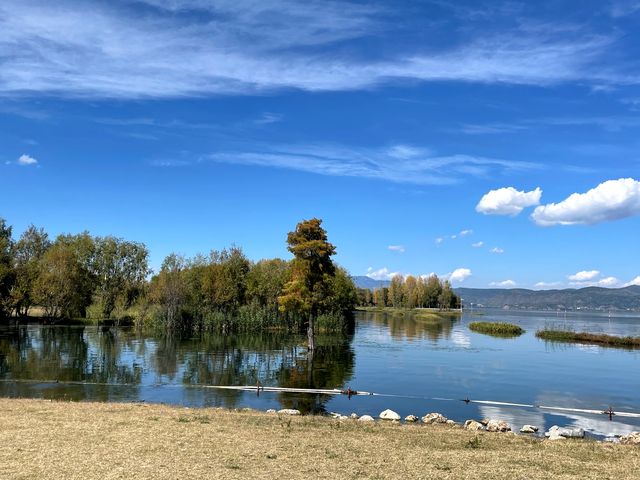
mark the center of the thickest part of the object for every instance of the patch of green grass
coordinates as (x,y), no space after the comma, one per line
(589,338)
(498,329)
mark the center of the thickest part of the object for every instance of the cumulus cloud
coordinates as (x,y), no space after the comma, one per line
(477,244)
(507,201)
(497,250)
(459,275)
(543,285)
(503,284)
(464,233)
(635,281)
(608,282)
(590,278)
(611,200)
(396,248)
(381,274)
(584,275)
(26,160)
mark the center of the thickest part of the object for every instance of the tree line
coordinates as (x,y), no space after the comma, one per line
(109,279)
(411,292)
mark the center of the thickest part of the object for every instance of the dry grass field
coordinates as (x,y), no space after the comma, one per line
(60,440)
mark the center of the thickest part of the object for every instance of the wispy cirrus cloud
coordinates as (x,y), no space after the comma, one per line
(195,48)
(396,248)
(413,165)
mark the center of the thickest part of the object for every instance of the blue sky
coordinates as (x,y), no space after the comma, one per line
(494,143)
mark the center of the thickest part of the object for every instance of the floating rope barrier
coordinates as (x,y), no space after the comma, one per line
(333,391)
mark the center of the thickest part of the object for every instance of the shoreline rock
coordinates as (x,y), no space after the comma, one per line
(389,415)
(431,418)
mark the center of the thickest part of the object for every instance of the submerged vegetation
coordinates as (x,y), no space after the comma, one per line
(498,329)
(108,279)
(589,338)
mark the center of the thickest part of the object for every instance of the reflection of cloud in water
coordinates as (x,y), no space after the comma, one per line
(461,339)
(599,426)
(588,348)
(515,417)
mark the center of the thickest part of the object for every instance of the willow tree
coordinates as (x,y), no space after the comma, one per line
(311,273)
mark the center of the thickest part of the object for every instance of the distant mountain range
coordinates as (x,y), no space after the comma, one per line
(589,298)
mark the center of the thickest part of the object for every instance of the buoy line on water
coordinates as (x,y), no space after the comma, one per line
(334,391)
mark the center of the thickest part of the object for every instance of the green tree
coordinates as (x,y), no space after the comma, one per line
(396,291)
(410,292)
(433,289)
(311,271)
(58,287)
(120,269)
(28,253)
(7,273)
(446,297)
(266,280)
(168,290)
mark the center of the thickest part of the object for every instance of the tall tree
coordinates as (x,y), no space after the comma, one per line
(29,251)
(396,291)
(7,273)
(311,271)
(120,268)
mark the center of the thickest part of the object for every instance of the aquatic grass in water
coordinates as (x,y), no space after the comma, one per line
(498,329)
(589,338)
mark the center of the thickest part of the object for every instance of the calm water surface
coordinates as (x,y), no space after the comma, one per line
(421,366)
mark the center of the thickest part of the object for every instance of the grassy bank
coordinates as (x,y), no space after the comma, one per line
(589,338)
(499,329)
(51,440)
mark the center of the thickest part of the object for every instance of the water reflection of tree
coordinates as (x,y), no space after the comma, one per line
(330,366)
(410,326)
(69,356)
(271,359)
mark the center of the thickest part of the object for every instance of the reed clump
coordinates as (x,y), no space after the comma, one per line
(588,338)
(498,329)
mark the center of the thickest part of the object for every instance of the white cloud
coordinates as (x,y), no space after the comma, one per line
(497,250)
(381,274)
(635,281)
(584,275)
(503,284)
(464,233)
(396,248)
(589,278)
(608,282)
(544,285)
(375,163)
(611,200)
(111,49)
(477,244)
(459,275)
(26,160)
(507,201)
(439,240)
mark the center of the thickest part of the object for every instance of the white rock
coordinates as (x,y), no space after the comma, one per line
(565,432)
(366,418)
(289,411)
(411,419)
(389,415)
(632,439)
(451,422)
(473,425)
(498,426)
(529,429)
(556,437)
(343,417)
(271,410)
(354,416)
(430,418)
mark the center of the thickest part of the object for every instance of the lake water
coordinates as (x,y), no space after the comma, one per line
(420,366)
